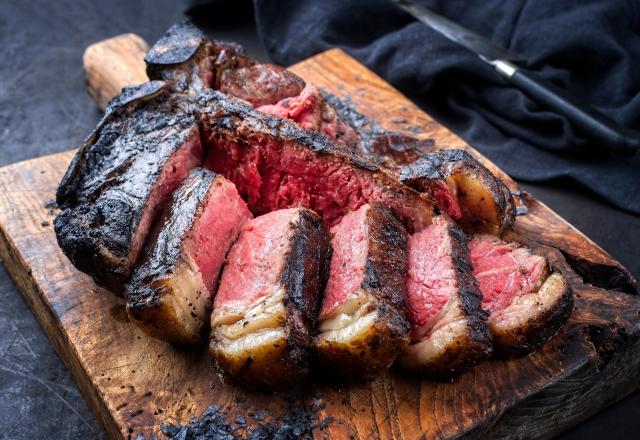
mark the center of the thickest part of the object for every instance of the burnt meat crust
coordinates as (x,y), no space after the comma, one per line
(146,293)
(188,59)
(494,212)
(304,273)
(364,356)
(105,190)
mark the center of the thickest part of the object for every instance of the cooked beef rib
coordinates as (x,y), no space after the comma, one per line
(171,291)
(143,148)
(265,310)
(527,302)
(449,330)
(464,189)
(362,327)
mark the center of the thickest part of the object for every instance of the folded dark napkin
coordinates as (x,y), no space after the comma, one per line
(591,48)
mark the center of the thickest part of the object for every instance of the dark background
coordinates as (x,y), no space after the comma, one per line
(44,109)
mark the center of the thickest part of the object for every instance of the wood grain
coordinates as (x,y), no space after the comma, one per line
(113,64)
(133,383)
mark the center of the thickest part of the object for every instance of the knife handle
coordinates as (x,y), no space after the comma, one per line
(592,123)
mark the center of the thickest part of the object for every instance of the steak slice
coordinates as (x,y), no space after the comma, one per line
(362,325)
(527,302)
(275,164)
(266,305)
(464,189)
(115,186)
(171,290)
(449,331)
(261,84)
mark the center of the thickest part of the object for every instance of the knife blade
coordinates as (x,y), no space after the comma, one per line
(591,123)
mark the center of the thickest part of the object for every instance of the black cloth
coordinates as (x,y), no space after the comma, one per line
(589,47)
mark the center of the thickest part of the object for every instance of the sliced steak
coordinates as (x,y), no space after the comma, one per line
(267,302)
(275,164)
(362,325)
(527,302)
(449,331)
(464,189)
(313,112)
(261,84)
(171,290)
(115,186)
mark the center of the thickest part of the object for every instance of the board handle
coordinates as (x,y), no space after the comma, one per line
(112,64)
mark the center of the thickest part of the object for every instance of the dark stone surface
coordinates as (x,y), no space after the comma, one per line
(44,109)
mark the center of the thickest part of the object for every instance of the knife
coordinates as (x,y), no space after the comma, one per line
(593,124)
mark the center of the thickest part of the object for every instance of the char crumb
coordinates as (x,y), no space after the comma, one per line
(50,204)
(44,223)
(296,423)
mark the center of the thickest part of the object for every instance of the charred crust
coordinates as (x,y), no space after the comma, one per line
(439,166)
(386,266)
(305,271)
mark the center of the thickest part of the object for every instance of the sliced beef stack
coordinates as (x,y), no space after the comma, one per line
(362,327)
(290,151)
(527,302)
(464,189)
(170,293)
(265,309)
(116,185)
(449,331)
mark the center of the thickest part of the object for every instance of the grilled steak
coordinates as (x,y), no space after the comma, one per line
(261,84)
(362,325)
(464,189)
(449,331)
(528,303)
(275,164)
(170,293)
(189,60)
(145,145)
(267,302)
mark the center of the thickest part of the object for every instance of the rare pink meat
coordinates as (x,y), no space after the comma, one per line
(174,171)
(250,273)
(311,110)
(278,175)
(504,271)
(432,277)
(348,261)
(216,229)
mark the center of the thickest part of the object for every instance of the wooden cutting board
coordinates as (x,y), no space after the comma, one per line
(134,383)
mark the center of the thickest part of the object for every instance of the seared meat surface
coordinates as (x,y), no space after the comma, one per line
(267,303)
(449,330)
(527,302)
(170,293)
(261,84)
(143,148)
(464,189)
(362,327)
